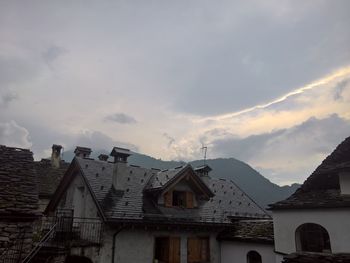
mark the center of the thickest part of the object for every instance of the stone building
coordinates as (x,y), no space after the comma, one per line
(18,203)
(147,215)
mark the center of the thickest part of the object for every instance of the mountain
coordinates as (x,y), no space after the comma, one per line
(260,189)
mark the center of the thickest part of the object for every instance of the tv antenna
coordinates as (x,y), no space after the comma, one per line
(204,149)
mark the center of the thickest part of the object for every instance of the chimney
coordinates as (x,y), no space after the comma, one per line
(82,152)
(103,157)
(56,156)
(120,155)
(203,172)
(120,168)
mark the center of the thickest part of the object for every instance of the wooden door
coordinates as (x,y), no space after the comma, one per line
(198,250)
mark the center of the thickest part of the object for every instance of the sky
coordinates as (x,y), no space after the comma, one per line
(266,82)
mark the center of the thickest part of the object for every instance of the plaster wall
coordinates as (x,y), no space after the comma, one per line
(344,181)
(236,252)
(83,205)
(335,221)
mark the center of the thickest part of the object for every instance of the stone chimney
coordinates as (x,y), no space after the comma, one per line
(120,169)
(82,152)
(103,157)
(56,156)
(203,172)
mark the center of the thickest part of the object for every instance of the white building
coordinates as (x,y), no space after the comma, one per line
(314,222)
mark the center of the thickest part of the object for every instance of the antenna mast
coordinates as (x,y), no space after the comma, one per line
(204,148)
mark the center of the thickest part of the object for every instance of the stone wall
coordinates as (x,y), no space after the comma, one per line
(16,239)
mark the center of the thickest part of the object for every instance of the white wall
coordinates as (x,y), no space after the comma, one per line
(344,181)
(236,252)
(335,221)
(138,245)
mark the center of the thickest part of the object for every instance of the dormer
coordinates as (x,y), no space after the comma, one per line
(179,187)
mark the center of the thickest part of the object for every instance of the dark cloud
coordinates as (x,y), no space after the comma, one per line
(121,118)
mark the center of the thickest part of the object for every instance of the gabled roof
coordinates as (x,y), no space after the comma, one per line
(18,183)
(321,189)
(134,200)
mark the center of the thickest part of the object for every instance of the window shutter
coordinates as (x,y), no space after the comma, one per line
(168,199)
(189,199)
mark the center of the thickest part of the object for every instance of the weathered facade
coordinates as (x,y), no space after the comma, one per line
(18,203)
(149,215)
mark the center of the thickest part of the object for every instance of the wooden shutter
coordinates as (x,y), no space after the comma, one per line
(198,250)
(189,199)
(168,199)
(193,250)
(174,250)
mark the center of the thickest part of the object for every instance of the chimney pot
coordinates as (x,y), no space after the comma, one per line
(120,154)
(82,152)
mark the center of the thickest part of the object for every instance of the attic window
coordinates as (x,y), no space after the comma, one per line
(179,199)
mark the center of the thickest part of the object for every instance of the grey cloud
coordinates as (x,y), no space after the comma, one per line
(7,97)
(121,118)
(98,140)
(309,140)
(340,88)
(52,53)
(14,135)
(170,139)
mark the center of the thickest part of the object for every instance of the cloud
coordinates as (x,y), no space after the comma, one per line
(170,139)
(288,153)
(121,118)
(98,140)
(12,134)
(52,53)
(6,97)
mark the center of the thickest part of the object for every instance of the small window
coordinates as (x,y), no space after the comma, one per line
(312,238)
(253,257)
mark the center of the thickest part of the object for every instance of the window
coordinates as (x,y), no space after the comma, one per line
(312,238)
(198,250)
(167,250)
(178,199)
(253,257)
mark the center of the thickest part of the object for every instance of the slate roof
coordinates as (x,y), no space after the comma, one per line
(133,203)
(49,177)
(18,183)
(316,257)
(321,189)
(260,231)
